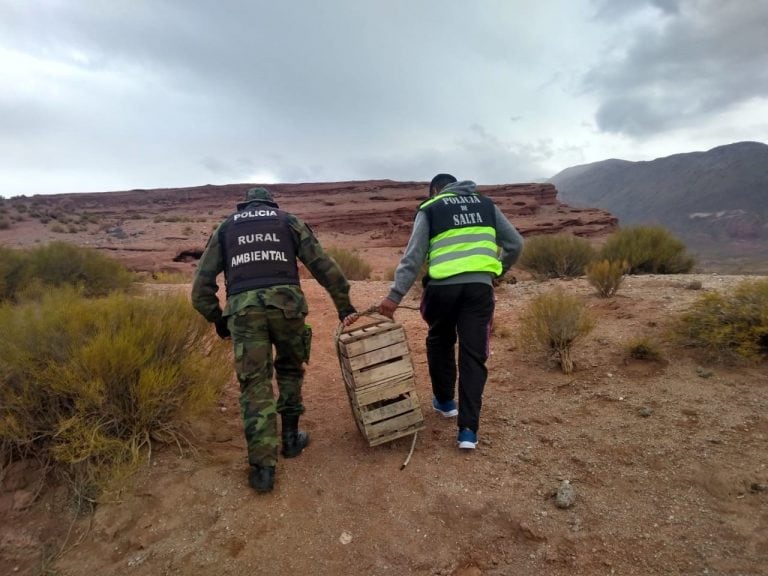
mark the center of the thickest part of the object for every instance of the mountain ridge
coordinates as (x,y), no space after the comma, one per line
(715,200)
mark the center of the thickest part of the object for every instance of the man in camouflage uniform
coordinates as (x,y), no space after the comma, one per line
(257,248)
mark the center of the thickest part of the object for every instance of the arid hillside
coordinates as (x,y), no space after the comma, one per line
(667,460)
(715,201)
(666,456)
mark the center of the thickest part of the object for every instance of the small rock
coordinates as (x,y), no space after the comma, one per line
(704,372)
(565,496)
(645,411)
(757,487)
(23,499)
(345,538)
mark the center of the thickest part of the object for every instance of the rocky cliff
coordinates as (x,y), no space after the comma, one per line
(166,229)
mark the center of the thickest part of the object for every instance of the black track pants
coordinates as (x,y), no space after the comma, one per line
(466,311)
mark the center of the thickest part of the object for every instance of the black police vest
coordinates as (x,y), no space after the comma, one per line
(451,211)
(259,249)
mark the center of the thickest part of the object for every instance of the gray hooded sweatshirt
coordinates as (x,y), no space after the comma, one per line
(507,237)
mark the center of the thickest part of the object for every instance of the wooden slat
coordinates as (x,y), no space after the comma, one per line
(394,424)
(366,396)
(372,342)
(377,356)
(395,435)
(383,372)
(388,411)
(353,334)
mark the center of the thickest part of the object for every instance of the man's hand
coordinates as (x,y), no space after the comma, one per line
(387,308)
(221,328)
(350,319)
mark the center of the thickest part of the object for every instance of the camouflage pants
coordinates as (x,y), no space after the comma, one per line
(255,330)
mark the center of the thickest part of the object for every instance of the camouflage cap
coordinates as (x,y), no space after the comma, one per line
(258,193)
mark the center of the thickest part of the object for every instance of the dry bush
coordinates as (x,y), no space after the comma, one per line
(58,264)
(354,267)
(161,277)
(13,271)
(552,323)
(556,256)
(728,327)
(648,250)
(606,276)
(87,384)
(644,348)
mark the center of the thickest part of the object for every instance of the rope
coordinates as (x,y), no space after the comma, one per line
(370,311)
(410,453)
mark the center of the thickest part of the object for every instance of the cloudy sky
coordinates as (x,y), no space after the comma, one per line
(102,95)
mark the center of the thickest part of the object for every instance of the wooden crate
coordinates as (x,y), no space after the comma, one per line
(378,375)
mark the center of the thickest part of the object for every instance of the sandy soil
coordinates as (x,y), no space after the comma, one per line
(667,460)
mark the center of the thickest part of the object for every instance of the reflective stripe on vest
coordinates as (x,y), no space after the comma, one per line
(468,249)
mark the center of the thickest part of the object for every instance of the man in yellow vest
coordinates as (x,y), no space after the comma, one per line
(467,243)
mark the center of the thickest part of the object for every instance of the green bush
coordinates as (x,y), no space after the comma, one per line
(552,323)
(644,349)
(556,256)
(12,272)
(354,267)
(648,250)
(606,276)
(86,384)
(57,264)
(728,327)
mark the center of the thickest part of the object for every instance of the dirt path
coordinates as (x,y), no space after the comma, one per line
(668,462)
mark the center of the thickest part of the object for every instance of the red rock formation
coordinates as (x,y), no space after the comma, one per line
(159,229)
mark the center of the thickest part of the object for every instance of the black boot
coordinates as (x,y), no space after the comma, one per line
(262,478)
(294,441)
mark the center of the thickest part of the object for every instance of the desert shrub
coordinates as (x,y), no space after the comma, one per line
(556,256)
(644,348)
(606,276)
(4,224)
(354,267)
(164,278)
(552,323)
(728,327)
(648,250)
(86,384)
(58,229)
(59,263)
(12,272)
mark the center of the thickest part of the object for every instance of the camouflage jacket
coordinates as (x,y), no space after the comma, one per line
(289,298)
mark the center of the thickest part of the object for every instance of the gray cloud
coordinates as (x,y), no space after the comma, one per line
(705,57)
(110,95)
(476,155)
